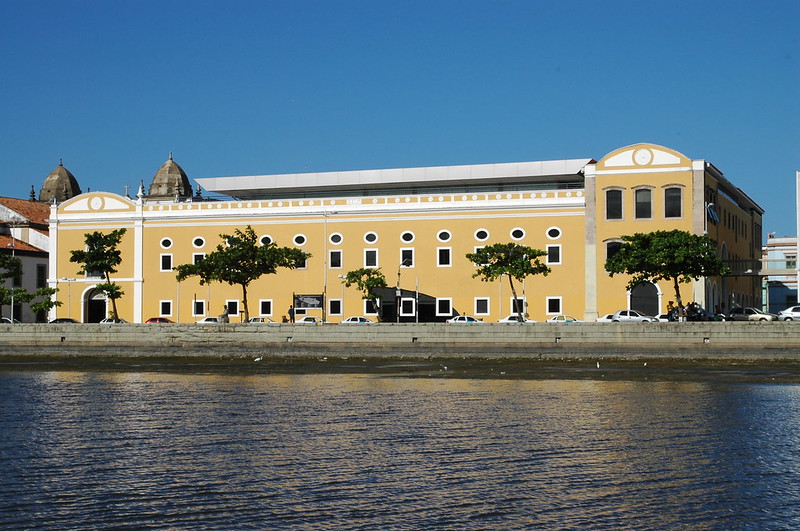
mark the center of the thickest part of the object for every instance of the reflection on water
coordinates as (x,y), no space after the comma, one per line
(117,449)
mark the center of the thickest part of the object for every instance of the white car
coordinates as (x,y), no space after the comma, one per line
(113,321)
(309,319)
(750,314)
(357,320)
(514,318)
(467,319)
(563,318)
(631,316)
(208,320)
(791,313)
(607,318)
(260,320)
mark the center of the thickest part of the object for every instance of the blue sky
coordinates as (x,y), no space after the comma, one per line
(256,87)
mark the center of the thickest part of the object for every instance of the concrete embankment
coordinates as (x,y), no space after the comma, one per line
(756,341)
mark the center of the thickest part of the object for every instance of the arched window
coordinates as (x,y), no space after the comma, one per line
(673,197)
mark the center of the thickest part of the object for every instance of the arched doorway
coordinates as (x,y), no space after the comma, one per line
(644,298)
(95,306)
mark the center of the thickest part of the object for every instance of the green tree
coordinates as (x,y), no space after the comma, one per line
(240,260)
(366,280)
(675,255)
(510,259)
(11,267)
(101,257)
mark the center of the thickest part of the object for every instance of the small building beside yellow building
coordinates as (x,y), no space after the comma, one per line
(416,225)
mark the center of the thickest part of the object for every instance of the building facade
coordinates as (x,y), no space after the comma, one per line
(416,225)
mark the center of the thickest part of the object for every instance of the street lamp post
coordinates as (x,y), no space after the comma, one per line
(397,291)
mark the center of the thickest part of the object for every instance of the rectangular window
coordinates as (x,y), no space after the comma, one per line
(553,305)
(303,264)
(443,257)
(166,262)
(334,306)
(17,281)
(518,305)
(198,308)
(407,307)
(643,198)
(335,259)
(612,248)
(672,202)
(370,258)
(444,307)
(406,257)
(233,307)
(481,306)
(41,276)
(198,257)
(370,307)
(791,261)
(265,307)
(613,204)
(554,254)
(165,308)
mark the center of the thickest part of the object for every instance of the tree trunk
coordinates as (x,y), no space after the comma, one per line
(517,304)
(677,292)
(244,303)
(114,314)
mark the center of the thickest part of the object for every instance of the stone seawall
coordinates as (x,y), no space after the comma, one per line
(756,341)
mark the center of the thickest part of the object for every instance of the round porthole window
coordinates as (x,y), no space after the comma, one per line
(370,237)
(336,238)
(444,236)
(554,233)
(166,243)
(407,237)
(199,242)
(481,235)
(299,240)
(266,240)
(517,233)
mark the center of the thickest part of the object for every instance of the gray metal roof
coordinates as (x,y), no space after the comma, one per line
(344,182)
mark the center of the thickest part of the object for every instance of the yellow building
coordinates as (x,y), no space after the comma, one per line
(416,224)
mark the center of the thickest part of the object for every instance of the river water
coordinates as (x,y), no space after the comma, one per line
(87,449)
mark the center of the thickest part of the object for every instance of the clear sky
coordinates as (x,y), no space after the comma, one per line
(255,87)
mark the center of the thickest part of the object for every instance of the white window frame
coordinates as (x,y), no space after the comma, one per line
(367,304)
(512,231)
(271,306)
(161,303)
(449,303)
(413,257)
(680,201)
(413,311)
(194,308)
(635,203)
(196,257)
(621,203)
(449,254)
(560,255)
(488,301)
(238,306)
(377,259)
(524,303)
(340,252)
(547,305)
(161,262)
(341,307)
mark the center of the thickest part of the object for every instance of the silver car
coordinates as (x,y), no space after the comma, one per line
(631,316)
(792,313)
(750,314)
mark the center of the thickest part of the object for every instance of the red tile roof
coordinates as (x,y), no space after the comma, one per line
(18,245)
(35,211)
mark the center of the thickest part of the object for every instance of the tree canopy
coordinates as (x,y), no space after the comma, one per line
(240,259)
(510,259)
(101,257)
(678,256)
(366,280)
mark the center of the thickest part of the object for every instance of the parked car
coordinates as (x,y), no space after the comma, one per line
(607,318)
(109,320)
(631,316)
(750,314)
(514,318)
(791,313)
(62,320)
(309,319)
(208,320)
(159,320)
(563,318)
(357,320)
(466,319)
(6,320)
(260,320)
(663,318)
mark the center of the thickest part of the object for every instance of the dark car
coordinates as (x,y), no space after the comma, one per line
(158,320)
(61,320)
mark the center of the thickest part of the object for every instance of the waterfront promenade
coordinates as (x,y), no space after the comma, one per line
(756,341)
